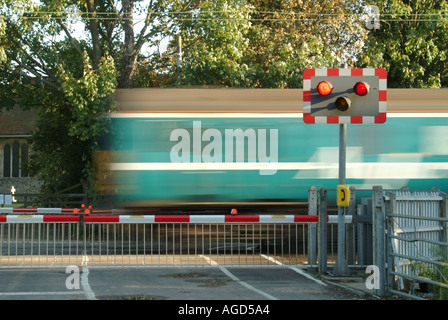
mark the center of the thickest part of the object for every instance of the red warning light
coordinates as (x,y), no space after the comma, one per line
(324,88)
(361,88)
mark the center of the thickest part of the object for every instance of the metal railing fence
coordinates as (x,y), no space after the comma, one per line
(417,239)
(195,244)
(34,243)
(145,240)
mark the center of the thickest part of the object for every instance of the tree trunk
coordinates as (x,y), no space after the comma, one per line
(93,26)
(129,52)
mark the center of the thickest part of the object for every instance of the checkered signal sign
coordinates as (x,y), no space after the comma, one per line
(354,96)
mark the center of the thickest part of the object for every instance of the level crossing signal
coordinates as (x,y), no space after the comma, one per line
(344,95)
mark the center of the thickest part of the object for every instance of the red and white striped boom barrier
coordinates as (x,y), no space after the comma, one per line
(88,218)
(37,210)
(60,218)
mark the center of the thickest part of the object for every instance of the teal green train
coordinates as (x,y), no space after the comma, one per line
(235,157)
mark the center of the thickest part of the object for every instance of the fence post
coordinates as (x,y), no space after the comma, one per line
(444,214)
(391,226)
(350,229)
(379,238)
(312,227)
(322,231)
(360,235)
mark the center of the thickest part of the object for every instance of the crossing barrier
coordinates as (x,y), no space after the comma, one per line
(55,236)
(10,215)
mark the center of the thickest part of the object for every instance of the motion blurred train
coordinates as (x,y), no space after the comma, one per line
(234,147)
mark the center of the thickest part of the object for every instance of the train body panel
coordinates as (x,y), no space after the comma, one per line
(269,157)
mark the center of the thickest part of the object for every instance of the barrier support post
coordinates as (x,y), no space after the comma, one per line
(350,229)
(312,227)
(444,214)
(379,248)
(322,231)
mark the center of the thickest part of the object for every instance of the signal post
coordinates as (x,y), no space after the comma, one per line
(344,96)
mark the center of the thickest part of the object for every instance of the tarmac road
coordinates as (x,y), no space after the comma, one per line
(167,283)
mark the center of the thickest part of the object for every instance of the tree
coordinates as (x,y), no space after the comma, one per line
(215,42)
(288,36)
(411,43)
(157,22)
(71,93)
(70,77)
(268,43)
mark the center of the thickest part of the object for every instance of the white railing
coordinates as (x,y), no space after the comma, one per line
(418,242)
(60,238)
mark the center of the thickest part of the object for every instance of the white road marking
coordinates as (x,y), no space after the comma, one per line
(85,284)
(40,293)
(301,272)
(236,279)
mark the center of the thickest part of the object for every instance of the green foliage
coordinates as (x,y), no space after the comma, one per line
(46,71)
(411,43)
(90,97)
(216,42)
(287,37)
(2,34)
(255,43)
(438,273)
(56,156)
(70,130)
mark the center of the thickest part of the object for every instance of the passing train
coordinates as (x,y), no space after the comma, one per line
(234,147)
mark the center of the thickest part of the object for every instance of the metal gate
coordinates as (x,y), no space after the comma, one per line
(416,243)
(61,238)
